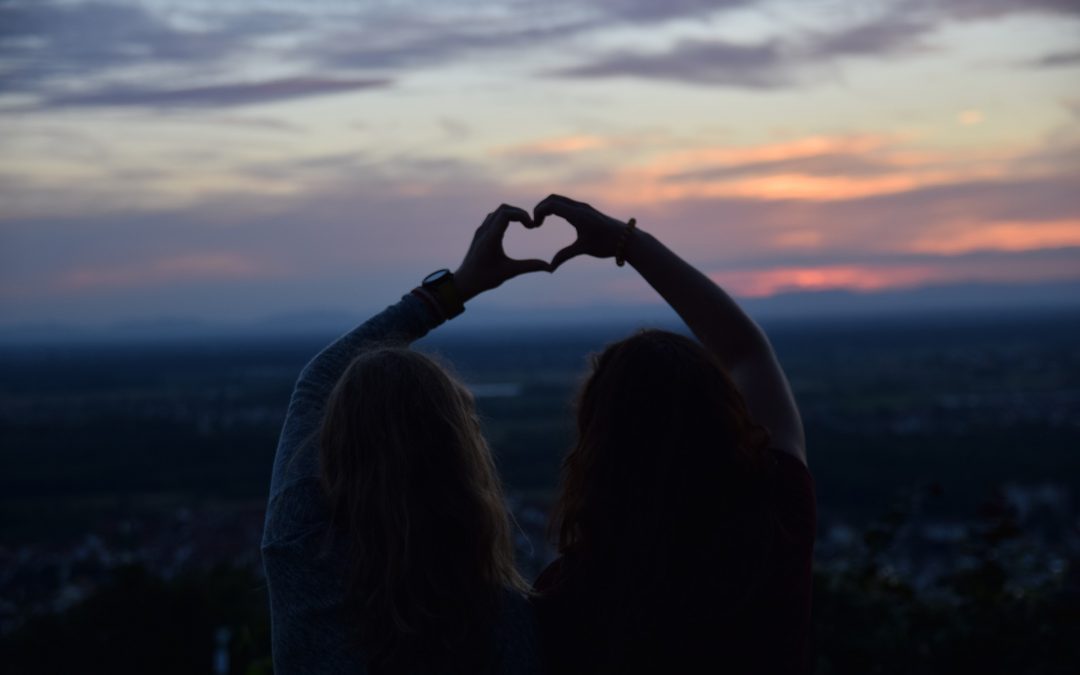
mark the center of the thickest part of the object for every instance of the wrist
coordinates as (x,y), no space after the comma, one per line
(635,242)
(430,301)
(466,284)
(441,286)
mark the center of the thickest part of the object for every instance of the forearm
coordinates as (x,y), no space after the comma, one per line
(398,325)
(726,331)
(710,313)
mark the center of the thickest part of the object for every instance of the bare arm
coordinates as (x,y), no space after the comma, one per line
(713,316)
(721,325)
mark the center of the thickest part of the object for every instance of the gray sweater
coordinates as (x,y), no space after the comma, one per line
(304,560)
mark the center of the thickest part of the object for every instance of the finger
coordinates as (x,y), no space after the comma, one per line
(517,267)
(483,226)
(571,251)
(564,198)
(554,205)
(506,214)
(542,208)
(524,217)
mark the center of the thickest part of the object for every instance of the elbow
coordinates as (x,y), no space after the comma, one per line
(750,346)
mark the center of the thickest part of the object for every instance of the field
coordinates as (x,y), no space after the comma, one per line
(158,455)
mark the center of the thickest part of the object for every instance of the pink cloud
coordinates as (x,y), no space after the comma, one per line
(1009,236)
(815,168)
(868,278)
(766,282)
(179,269)
(559,145)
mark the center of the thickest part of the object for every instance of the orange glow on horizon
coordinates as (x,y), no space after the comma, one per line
(763,283)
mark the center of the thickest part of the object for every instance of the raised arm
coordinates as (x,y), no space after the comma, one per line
(305,568)
(710,313)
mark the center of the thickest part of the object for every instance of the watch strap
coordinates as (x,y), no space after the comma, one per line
(445,292)
(430,302)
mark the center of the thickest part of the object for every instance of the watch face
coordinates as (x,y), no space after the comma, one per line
(436,277)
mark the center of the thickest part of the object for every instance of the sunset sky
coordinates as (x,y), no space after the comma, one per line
(235,160)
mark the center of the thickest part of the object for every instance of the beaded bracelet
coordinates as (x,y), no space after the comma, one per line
(620,248)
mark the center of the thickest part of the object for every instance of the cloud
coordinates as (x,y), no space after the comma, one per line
(760,66)
(769,64)
(50,40)
(343,243)
(559,145)
(901,28)
(912,226)
(819,168)
(199,267)
(827,164)
(891,35)
(815,168)
(1008,236)
(1057,59)
(215,96)
(901,272)
(73,54)
(45,41)
(434,34)
(759,283)
(46,46)
(651,11)
(396,40)
(970,117)
(983,9)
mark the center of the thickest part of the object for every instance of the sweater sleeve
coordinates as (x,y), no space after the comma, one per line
(297,452)
(305,564)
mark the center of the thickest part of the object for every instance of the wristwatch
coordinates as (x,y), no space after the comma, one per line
(440,284)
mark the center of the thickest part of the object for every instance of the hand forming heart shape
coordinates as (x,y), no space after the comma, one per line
(524,243)
(486,264)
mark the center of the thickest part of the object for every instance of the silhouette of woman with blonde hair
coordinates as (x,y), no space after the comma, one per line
(387,545)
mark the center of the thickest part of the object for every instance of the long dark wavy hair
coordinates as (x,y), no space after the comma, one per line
(661,492)
(413,489)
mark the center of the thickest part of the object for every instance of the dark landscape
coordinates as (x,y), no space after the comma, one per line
(945,451)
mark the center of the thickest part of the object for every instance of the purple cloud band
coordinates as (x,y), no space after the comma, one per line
(216,96)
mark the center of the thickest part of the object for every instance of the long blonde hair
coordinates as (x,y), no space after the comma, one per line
(412,487)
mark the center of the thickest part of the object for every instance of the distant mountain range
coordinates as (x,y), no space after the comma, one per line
(953,299)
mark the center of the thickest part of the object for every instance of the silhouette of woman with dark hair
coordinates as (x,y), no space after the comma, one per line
(387,545)
(686,515)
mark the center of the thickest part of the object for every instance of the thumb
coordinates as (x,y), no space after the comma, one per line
(526,266)
(571,251)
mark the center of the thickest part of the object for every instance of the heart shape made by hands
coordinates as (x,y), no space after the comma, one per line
(542,243)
